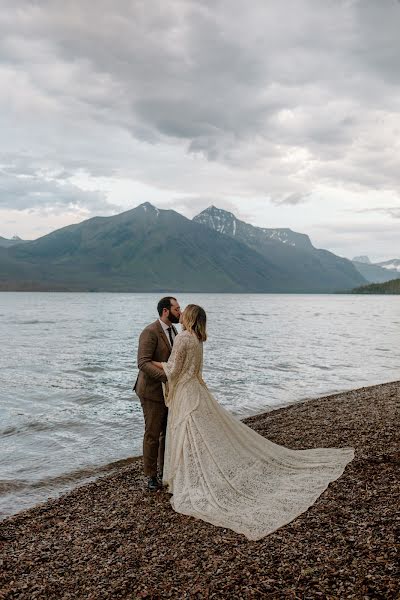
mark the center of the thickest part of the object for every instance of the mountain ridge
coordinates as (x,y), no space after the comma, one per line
(374,272)
(307,267)
(226,222)
(7,242)
(144,249)
(148,249)
(391,265)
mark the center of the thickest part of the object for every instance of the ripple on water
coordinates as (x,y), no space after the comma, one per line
(283,367)
(34,322)
(72,384)
(9,431)
(90,399)
(7,486)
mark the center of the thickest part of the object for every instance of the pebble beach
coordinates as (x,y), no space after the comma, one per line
(113,539)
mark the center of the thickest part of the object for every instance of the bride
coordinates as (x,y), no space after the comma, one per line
(221,471)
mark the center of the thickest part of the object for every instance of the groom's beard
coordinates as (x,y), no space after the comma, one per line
(173,319)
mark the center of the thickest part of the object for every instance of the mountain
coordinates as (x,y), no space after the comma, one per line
(389,287)
(225,222)
(375,273)
(144,249)
(392,265)
(306,268)
(151,250)
(6,243)
(362,259)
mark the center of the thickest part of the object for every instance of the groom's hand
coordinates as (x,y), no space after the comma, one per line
(157,364)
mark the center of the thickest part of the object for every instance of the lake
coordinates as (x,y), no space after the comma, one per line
(68,362)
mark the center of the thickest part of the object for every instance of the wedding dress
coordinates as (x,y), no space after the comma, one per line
(221,471)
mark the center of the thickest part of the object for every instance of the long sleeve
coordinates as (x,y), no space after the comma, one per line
(176,361)
(146,349)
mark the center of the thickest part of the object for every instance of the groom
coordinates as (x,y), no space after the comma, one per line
(155,343)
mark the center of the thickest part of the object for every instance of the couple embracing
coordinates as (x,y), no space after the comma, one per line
(215,467)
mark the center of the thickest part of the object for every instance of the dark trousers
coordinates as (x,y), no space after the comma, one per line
(155,426)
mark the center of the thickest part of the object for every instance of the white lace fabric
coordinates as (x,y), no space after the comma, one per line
(223,472)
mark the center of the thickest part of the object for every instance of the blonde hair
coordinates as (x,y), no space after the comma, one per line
(194,319)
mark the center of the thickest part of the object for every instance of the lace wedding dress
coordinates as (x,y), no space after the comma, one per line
(221,471)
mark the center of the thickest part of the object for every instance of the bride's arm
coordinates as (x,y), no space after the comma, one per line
(176,361)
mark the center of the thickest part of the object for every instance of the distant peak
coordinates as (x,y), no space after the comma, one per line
(218,219)
(362,259)
(214,210)
(148,207)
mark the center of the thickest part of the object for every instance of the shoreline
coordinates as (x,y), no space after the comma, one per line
(59,485)
(109,538)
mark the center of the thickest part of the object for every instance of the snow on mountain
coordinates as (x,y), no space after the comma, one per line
(225,222)
(392,265)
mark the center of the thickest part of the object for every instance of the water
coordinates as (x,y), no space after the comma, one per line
(67,365)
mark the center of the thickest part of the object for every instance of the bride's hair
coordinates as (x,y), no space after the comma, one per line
(194,319)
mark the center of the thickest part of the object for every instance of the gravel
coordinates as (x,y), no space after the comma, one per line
(113,539)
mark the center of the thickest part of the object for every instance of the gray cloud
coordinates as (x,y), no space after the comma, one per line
(390,211)
(377,240)
(24,189)
(293,199)
(194,69)
(285,96)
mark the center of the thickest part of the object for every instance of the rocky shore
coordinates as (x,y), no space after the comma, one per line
(111,539)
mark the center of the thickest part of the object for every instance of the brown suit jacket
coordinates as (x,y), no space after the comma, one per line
(153,345)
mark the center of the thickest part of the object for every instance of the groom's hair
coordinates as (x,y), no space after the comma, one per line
(164,303)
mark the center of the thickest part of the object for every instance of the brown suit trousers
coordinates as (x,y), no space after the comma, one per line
(153,345)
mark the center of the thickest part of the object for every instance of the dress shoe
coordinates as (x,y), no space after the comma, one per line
(153,484)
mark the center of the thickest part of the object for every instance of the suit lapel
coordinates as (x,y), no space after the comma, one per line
(163,335)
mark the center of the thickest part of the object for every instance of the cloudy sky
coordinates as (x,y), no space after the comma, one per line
(285,112)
